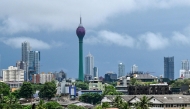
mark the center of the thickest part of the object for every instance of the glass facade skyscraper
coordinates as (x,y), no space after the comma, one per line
(169,67)
(31,59)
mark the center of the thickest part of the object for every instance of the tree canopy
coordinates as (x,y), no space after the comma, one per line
(81,85)
(4,89)
(93,98)
(110,90)
(48,91)
(26,91)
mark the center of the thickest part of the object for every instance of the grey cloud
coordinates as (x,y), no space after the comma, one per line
(62,15)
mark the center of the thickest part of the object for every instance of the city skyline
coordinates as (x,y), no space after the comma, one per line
(131,32)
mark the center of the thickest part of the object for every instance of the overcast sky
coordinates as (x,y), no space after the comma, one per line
(140,32)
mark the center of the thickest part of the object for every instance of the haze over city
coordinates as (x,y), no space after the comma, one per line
(128,31)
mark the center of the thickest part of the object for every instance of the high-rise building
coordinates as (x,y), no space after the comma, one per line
(30,61)
(89,65)
(80,33)
(25,56)
(169,67)
(185,64)
(95,72)
(121,70)
(34,63)
(134,69)
(184,71)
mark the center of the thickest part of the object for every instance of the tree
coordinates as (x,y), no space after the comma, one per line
(26,91)
(81,85)
(4,89)
(118,102)
(72,106)
(105,105)
(41,105)
(94,98)
(53,105)
(10,102)
(48,91)
(16,94)
(144,102)
(110,90)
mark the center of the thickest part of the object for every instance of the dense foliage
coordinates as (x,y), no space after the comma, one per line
(110,90)
(72,106)
(81,85)
(4,89)
(92,98)
(26,91)
(179,83)
(48,91)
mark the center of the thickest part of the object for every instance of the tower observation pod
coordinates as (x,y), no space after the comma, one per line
(80,33)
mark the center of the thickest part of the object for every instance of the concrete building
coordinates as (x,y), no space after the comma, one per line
(110,77)
(96,73)
(96,84)
(25,56)
(87,77)
(145,77)
(155,101)
(134,69)
(122,85)
(89,65)
(152,89)
(13,74)
(121,70)
(184,71)
(60,75)
(22,65)
(169,67)
(42,78)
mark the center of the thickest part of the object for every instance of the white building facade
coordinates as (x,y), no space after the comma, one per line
(184,71)
(89,65)
(134,69)
(121,70)
(13,74)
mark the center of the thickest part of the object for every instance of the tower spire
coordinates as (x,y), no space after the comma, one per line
(80,20)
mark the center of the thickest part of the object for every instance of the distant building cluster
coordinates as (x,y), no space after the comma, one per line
(30,61)
(42,78)
(90,71)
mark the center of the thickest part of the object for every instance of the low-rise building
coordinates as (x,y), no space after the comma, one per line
(145,77)
(96,84)
(155,101)
(122,85)
(42,78)
(153,89)
(13,74)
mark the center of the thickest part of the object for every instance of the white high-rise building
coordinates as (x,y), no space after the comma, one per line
(121,70)
(184,71)
(13,74)
(89,65)
(134,69)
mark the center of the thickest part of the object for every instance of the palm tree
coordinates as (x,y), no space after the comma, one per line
(144,102)
(41,105)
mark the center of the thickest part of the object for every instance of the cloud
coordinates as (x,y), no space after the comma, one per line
(35,15)
(148,40)
(108,37)
(153,41)
(34,43)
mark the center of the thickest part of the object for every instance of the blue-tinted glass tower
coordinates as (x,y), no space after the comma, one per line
(169,68)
